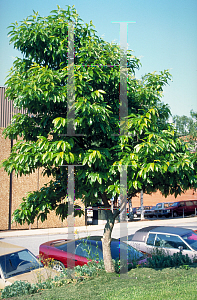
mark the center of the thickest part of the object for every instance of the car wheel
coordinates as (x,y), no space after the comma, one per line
(175,214)
(58,266)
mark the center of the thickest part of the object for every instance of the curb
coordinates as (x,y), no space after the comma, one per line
(48,231)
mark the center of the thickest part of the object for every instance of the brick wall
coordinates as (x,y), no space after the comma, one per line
(20,187)
(5,147)
(157,197)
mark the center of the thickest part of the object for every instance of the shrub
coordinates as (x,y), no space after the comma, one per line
(18,288)
(90,269)
(123,266)
(167,261)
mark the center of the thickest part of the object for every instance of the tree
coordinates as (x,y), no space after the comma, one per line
(154,157)
(186,127)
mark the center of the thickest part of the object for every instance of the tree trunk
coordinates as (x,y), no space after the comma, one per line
(106,240)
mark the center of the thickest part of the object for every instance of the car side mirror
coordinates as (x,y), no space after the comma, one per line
(180,248)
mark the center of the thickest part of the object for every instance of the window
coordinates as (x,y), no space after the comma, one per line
(181,204)
(189,203)
(19,262)
(175,204)
(159,205)
(191,239)
(89,251)
(127,250)
(64,246)
(170,241)
(151,239)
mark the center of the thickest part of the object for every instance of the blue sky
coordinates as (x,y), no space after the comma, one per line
(163,37)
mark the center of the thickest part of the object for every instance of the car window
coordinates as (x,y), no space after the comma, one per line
(195,202)
(130,252)
(19,262)
(166,205)
(159,205)
(191,239)
(89,251)
(64,246)
(181,204)
(170,241)
(189,203)
(151,239)
(175,204)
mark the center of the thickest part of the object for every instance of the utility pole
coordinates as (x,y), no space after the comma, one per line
(142,205)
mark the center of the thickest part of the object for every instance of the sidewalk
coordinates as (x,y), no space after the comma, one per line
(50,231)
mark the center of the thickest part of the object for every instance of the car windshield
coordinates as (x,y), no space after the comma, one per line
(18,262)
(174,204)
(133,254)
(191,239)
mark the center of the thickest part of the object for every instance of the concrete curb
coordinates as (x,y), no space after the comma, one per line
(48,231)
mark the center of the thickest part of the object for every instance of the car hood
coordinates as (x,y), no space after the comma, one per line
(34,276)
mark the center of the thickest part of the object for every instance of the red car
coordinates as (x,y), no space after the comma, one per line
(70,253)
(180,208)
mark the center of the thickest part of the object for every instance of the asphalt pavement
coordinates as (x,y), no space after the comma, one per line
(32,238)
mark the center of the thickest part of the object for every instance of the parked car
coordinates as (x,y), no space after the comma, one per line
(151,212)
(18,263)
(181,207)
(132,212)
(146,211)
(134,209)
(169,239)
(70,253)
(160,207)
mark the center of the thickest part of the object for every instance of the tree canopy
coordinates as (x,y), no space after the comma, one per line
(154,156)
(187,128)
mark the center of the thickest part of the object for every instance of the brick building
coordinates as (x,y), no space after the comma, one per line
(13,189)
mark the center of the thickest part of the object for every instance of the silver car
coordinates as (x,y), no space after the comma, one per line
(169,239)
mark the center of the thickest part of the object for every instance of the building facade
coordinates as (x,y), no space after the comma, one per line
(13,188)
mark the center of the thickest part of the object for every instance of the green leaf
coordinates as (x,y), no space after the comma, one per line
(152,166)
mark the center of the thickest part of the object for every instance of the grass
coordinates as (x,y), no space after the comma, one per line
(141,284)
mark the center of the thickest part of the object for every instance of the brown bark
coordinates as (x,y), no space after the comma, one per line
(106,240)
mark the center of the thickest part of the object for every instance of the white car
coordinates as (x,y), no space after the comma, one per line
(18,263)
(169,239)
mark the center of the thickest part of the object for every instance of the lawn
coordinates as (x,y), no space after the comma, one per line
(140,283)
